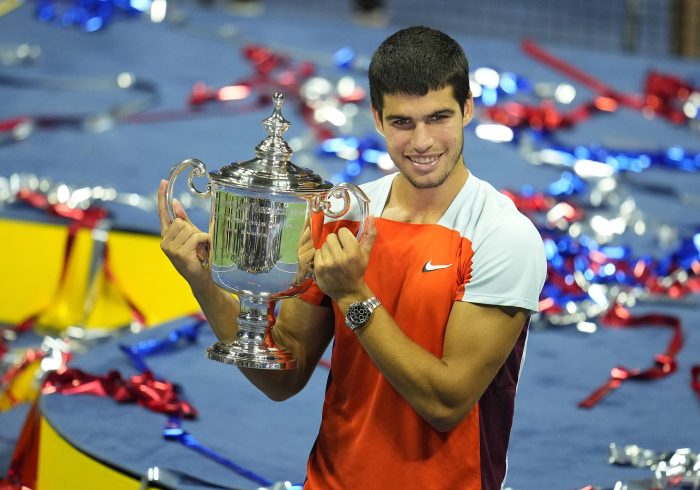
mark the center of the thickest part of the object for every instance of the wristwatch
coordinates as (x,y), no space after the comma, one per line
(360,312)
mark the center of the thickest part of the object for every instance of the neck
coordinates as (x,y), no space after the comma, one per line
(426,206)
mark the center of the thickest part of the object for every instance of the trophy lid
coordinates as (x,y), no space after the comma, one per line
(271,170)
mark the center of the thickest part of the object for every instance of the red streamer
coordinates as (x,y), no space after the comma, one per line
(154,394)
(30,356)
(136,312)
(663,95)
(272,73)
(664,363)
(21,475)
(545,117)
(579,75)
(80,218)
(88,218)
(695,379)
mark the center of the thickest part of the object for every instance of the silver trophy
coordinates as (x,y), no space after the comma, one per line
(266,221)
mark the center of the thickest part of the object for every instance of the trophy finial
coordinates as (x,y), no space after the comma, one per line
(278,100)
(274,148)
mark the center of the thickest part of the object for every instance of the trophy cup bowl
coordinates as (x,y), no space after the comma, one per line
(265,223)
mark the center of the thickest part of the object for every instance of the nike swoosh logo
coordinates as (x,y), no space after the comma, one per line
(430,267)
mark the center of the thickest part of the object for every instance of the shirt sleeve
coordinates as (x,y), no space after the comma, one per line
(508,267)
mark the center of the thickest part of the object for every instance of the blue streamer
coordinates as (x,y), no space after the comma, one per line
(139,351)
(89,15)
(173,431)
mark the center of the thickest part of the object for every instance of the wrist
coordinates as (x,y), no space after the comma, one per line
(344,301)
(359,313)
(206,290)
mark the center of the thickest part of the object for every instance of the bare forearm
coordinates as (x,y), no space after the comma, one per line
(221,310)
(443,390)
(420,377)
(276,385)
(305,331)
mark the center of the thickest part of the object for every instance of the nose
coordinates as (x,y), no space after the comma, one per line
(422,138)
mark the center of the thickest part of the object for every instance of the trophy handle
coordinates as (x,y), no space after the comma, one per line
(198,170)
(343,191)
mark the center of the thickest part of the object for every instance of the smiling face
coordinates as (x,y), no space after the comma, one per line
(424,134)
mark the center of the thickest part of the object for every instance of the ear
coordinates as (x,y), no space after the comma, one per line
(468,110)
(378,121)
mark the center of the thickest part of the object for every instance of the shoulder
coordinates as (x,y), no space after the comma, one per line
(508,266)
(481,213)
(502,226)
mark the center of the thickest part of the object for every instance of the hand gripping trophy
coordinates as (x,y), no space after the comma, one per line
(265,224)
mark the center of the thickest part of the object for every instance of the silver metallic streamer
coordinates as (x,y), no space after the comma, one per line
(679,469)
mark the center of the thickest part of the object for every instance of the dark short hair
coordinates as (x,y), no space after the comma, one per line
(415,61)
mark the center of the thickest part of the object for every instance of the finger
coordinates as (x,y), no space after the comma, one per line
(186,230)
(347,240)
(180,211)
(369,237)
(305,238)
(318,259)
(162,213)
(196,243)
(333,246)
(306,234)
(173,231)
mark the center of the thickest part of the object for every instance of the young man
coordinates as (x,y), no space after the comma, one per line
(428,312)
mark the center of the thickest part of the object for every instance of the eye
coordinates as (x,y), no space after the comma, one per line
(438,117)
(401,123)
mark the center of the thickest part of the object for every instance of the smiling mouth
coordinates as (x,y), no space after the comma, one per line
(424,160)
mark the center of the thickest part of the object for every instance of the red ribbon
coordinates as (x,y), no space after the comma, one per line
(664,363)
(154,394)
(136,313)
(546,116)
(663,95)
(30,356)
(579,75)
(80,218)
(88,218)
(695,379)
(273,72)
(8,125)
(666,94)
(22,473)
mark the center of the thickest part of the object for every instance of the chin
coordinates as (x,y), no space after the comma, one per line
(428,182)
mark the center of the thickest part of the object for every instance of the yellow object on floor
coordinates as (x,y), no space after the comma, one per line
(62,466)
(31,260)
(24,388)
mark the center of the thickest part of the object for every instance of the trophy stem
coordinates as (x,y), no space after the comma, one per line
(253,347)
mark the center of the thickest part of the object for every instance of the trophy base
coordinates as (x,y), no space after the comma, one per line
(251,356)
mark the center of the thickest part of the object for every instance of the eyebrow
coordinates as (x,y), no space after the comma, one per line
(396,117)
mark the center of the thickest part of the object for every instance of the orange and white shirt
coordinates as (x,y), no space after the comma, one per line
(482,251)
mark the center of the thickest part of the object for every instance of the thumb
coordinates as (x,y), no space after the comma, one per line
(370,235)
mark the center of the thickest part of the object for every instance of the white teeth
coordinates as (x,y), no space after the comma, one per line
(423,160)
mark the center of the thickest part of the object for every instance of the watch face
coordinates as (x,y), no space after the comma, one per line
(359,314)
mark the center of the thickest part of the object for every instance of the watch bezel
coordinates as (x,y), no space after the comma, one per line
(360,312)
